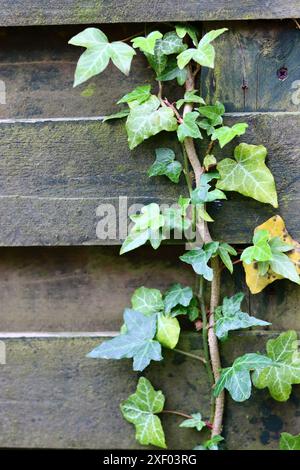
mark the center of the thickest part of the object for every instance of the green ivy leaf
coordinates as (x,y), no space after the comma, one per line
(261,250)
(119,115)
(135,240)
(172,71)
(189,127)
(140,94)
(224,251)
(165,164)
(203,193)
(190,97)
(98,53)
(204,54)
(185,29)
(148,119)
(211,444)
(170,44)
(177,295)
(285,368)
(209,161)
(141,409)
(147,301)
(229,317)
(236,379)
(168,331)
(194,422)
(175,219)
(192,310)
(281,264)
(248,174)
(137,342)
(147,44)
(225,134)
(199,258)
(213,113)
(289,442)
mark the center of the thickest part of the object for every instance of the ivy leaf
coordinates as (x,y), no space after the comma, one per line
(98,53)
(261,250)
(285,369)
(209,161)
(248,174)
(203,192)
(211,444)
(185,29)
(135,240)
(177,295)
(283,266)
(225,134)
(172,71)
(224,251)
(204,54)
(119,115)
(140,94)
(148,119)
(165,164)
(175,219)
(147,301)
(141,409)
(289,442)
(168,331)
(213,113)
(170,44)
(236,379)
(199,258)
(147,227)
(137,342)
(229,317)
(194,422)
(192,310)
(147,44)
(190,97)
(189,127)
(259,275)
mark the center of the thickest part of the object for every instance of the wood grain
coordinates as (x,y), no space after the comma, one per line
(38,74)
(54,175)
(45,12)
(52,396)
(257,67)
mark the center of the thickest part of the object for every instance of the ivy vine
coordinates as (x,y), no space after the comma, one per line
(151,323)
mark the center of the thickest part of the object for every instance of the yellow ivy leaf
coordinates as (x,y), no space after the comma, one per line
(276,226)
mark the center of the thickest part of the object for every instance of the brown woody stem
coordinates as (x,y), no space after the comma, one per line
(215,285)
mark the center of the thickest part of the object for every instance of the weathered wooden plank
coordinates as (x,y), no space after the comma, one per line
(54,175)
(257,67)
(38,74)
(53,396)
(67,289)
(45,12)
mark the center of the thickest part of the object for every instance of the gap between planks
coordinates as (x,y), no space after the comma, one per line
(100,118)
(105,334)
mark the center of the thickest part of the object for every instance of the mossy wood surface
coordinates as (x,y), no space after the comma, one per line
(53,396)
(45,12)
(55,173)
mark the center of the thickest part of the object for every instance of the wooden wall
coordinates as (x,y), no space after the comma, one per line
(62,291)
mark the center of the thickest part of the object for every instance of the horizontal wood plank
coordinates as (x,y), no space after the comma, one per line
(55,173)
(38,74)
(47,12)
(63,289)
(52,396)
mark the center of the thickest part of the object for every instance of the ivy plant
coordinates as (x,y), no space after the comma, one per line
(152,322)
